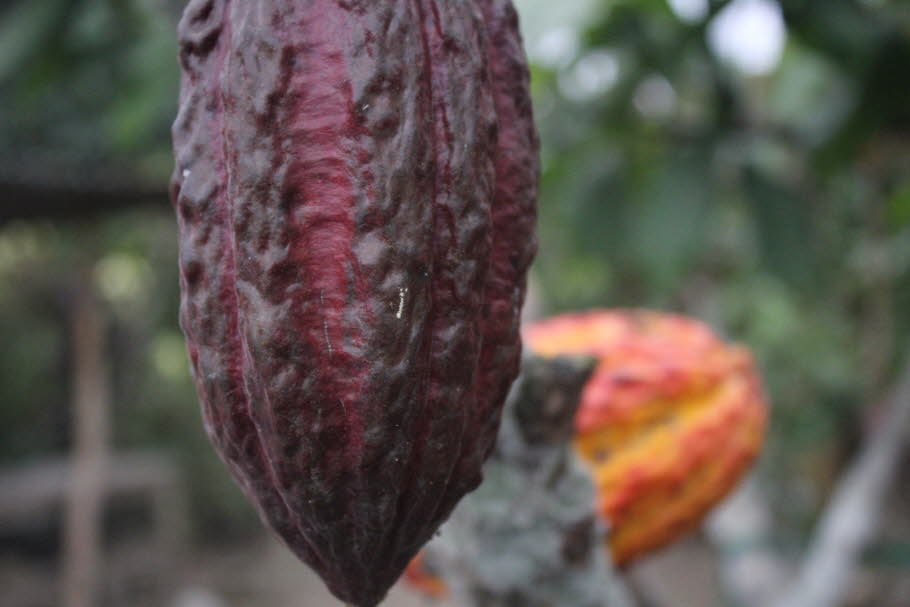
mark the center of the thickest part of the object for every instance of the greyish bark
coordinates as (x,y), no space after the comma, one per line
(529,536)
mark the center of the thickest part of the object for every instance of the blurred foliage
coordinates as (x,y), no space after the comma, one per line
(775,206)
(86,84)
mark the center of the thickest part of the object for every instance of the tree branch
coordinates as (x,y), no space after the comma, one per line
(22,200)
(530,535)
(853,513)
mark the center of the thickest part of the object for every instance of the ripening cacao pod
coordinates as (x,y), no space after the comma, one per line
(424,578)
(355,187)
(670,420)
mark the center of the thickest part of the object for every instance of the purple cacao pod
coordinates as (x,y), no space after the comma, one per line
(355,187)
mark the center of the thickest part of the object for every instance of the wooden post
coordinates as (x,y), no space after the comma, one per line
(90,415)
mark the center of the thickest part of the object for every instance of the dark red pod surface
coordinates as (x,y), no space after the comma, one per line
(355,185)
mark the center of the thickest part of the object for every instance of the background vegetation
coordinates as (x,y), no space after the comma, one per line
(768,194)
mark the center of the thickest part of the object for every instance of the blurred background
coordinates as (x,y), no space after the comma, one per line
(744,162)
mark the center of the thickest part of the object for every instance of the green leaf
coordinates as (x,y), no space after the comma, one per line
(782,223)
(667,227)
(23,30)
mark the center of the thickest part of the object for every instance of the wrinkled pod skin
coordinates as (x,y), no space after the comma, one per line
(355,187)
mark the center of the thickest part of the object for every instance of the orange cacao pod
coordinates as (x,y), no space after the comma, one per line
(424,578)
(670,420)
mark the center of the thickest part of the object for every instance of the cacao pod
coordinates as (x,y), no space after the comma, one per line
(424,578)
(355,187)
(668,422)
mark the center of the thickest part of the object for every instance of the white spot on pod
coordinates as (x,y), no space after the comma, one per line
(402,291)
(325,323)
